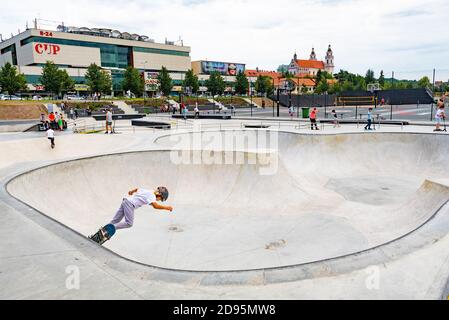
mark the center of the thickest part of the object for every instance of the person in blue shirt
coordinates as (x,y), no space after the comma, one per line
(370,119)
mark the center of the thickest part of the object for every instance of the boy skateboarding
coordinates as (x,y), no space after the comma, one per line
(51,137)
(124,218)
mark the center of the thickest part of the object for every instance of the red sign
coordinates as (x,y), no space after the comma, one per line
(42,48)
(46,34)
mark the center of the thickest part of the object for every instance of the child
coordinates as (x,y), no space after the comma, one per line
(51,137)
(335,117)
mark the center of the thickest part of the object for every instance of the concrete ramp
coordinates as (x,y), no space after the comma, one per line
(327,197)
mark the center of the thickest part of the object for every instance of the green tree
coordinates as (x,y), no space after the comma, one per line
(261,85)
(133,81)
(336,88)
(326,75)
(241,84)
(304,89)
(51,78)
(287,75)
(165,82)
(382,79)
(424,82)
(264,85)
(191,81)
(98,80)
(322,87)
(67,83)
(369,77)
(360,84)
(348,86)
(10,80)
(216,85)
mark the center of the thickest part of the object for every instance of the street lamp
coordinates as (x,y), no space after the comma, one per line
(251,93)
(144,82)
(273,95)
(278,97)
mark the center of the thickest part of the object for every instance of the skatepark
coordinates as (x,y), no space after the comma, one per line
(258,213)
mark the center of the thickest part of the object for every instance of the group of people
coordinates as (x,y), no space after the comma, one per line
(55,121)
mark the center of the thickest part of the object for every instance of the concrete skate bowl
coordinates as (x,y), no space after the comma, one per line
(329,197)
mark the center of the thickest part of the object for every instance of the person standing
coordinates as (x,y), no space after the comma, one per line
(440,117)
(72,114)
(57,119)
(61,122)
(197,111)
(370,119)
(51,137)
(109,121)
(313,118)
(335,119)
(184,111)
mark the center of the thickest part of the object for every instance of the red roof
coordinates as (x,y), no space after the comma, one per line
(255,73)
(310,64)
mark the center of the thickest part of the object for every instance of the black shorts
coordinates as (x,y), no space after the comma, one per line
(109,123)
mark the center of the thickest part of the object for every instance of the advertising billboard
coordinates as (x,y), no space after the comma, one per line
(151,81)
(224,68)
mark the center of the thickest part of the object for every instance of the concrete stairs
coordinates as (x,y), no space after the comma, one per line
(125,107)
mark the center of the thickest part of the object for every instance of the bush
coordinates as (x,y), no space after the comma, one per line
(155,102)
(92,106)
(236,101)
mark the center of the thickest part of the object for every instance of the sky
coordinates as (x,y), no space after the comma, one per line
(409,37)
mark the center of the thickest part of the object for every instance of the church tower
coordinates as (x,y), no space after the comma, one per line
(329,65)
(313,55)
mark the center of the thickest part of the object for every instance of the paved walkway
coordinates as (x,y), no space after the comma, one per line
(38,254)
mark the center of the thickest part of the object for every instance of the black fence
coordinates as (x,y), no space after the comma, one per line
(358,98)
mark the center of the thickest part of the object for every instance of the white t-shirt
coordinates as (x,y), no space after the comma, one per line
(109,116)
(439,114)
(50,133)
(142,197)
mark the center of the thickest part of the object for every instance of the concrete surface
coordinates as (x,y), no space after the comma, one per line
(350,202)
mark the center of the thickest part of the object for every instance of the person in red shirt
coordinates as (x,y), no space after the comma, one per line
(52,119)
(313,117)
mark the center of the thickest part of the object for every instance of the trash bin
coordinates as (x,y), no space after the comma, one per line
(305,113)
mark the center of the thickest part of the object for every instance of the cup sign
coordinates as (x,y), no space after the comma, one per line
(42,48)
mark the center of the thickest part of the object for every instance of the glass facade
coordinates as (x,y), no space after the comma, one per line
(12,49)
(117,79)
(103,47)
(36,79)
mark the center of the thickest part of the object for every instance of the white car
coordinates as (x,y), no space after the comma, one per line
(37,98)
(73,97)
(11,97)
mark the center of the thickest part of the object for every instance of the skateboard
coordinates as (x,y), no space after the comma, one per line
(104,234)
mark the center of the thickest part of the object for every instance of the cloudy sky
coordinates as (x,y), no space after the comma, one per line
(409,37)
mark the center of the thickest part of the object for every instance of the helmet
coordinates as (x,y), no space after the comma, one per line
(163,192)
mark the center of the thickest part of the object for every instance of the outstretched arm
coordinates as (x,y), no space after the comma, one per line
(132,192)
(158,206)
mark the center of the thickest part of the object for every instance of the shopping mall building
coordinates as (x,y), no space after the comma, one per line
(74,49)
